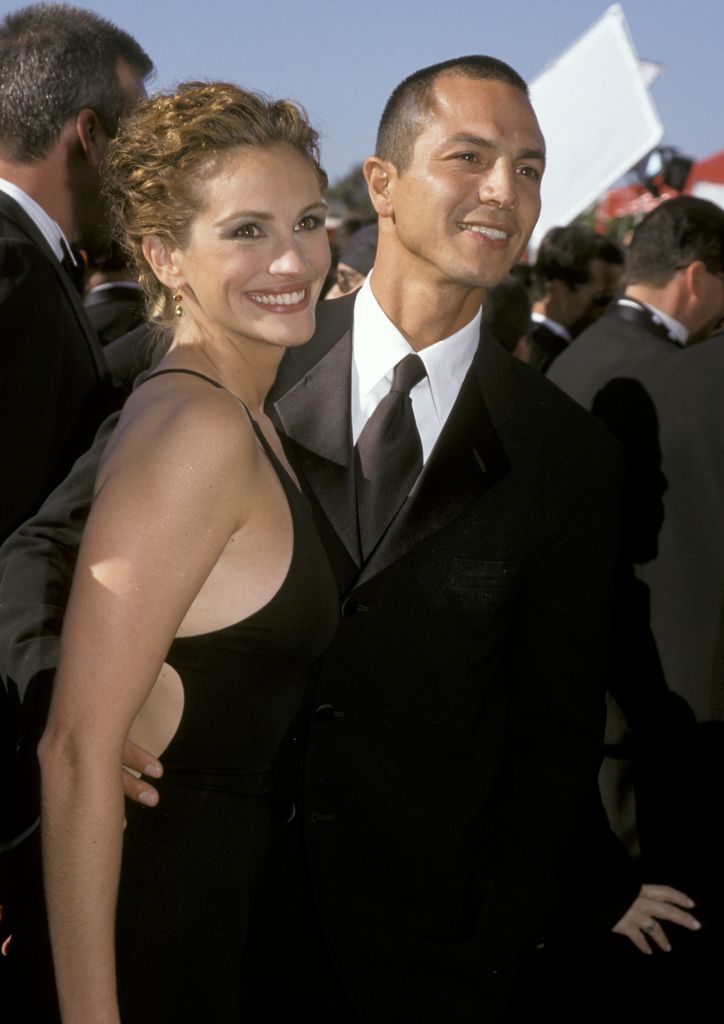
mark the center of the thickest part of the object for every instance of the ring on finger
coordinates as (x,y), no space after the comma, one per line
(649,928)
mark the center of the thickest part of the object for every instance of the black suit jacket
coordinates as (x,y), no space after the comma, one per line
(54,385)
(545,345)
(686,577)
(455,732)
(114,310)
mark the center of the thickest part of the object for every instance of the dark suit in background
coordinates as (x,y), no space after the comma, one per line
(624,366)
(545,345)
(54,391)
(54,384)
(114,309)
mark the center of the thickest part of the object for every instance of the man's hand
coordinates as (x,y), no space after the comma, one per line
(639,923)
(138,762)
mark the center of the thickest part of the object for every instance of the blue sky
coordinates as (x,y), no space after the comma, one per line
(341,60)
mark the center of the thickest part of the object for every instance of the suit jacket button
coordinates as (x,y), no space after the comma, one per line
(349,607)
(324,713)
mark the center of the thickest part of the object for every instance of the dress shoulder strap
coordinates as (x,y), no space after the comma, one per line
(180,369)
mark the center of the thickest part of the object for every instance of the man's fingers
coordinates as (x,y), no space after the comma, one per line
(668,912)
(666,894)
(654,931)
(642,921)
(139,790)
(633,933)
(138,760)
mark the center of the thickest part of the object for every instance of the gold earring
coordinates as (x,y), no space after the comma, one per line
(178,308)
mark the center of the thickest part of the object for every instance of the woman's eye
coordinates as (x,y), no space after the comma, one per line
(247,231)
(310,222)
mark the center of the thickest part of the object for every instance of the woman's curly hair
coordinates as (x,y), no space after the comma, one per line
(167,147)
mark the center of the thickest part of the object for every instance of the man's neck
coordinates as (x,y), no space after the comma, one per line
(422,311)
(665,299)
(44,181)
(549,309)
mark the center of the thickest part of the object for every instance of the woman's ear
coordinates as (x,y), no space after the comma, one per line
(164,261)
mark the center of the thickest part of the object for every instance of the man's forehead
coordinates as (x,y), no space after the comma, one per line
(131,82)
(462,102)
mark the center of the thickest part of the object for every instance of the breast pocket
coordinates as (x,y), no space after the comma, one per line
(482,584)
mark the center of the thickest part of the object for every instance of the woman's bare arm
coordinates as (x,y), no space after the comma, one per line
(171,496)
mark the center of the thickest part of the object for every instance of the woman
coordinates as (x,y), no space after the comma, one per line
(189,623)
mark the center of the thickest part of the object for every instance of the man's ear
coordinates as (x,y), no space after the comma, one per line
(164,261)
(380,176)
(695,275)
(91,136)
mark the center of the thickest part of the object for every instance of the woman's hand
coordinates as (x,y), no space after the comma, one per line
(641,922)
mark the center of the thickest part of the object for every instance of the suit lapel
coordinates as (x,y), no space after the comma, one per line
(315,416)
(25,224)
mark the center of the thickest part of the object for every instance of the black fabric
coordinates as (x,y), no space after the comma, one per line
(196,869)
(641,316)
(73,266)
(388,455)
(114,310)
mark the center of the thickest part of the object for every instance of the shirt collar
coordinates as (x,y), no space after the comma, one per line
(676,329)
(377,347)
(552,325)
(49,229)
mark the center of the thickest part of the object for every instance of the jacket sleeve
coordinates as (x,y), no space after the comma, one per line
(36,569)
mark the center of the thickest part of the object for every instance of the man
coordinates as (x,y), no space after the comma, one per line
(356,258)
(113,298)
(673,298)
(576,274)
(454,735)
(507,314)
(641,368)
(66,78)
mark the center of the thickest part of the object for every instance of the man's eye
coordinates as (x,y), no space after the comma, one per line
(530,172)
(469,158)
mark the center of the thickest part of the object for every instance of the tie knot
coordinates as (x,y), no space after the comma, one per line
(408,372)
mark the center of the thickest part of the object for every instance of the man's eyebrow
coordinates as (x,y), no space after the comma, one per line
(482,143)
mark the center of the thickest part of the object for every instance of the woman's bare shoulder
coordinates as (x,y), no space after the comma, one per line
(178,424)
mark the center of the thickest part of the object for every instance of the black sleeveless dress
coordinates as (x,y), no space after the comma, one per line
(196,869)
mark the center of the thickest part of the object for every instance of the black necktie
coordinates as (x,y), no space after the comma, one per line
(74,269)
(388,455)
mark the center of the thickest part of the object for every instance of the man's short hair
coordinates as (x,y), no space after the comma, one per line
(55,60)
(411,103)
(565,254)
(672,236)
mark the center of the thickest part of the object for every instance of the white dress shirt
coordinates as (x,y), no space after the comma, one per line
(676,329)
(552,325)
(49,229)
(377,347)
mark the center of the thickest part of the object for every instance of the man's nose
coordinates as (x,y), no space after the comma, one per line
(499,185)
